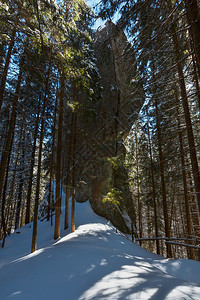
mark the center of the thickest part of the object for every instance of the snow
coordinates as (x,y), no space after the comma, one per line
(126,219)
(94,262)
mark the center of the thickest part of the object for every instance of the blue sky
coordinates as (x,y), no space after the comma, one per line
(92,2)
(99,22)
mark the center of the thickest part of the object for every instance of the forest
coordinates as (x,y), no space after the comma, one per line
(64,129)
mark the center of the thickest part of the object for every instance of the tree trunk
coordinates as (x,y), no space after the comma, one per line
(7,62)
(190,134)
(52,162)
(138,188)
(153,192)
(194,208)
(195,79)
(4,156)
(20,191)
(34,235)
(73,175)
(14,175)
(3,222)
(68,175)
(58,159)
(184,176)
(149,231)
(162,175)
(28,202)
(172,210)
(193,17)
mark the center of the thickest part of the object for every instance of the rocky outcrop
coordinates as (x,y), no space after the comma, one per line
(100,172)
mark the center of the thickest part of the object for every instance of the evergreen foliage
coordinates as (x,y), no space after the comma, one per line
(49,79)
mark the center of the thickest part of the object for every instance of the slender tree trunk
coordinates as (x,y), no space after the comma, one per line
(161,160)
(172,210)
(23,211)
(196,82)
(193,17)
(37,13)
(162,175)
(73,175)
(14,176)
(153,192)
(190,134)
(149,231)
(193,206)
(58,159)
(184,176)
(138,188)
(34,235)
(52,161)
(11,125)
(20,191)
(195,75)
(7,62)
(68,175)
(3,222)
(28,201)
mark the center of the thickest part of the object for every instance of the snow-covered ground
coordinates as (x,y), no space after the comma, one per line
(94,262)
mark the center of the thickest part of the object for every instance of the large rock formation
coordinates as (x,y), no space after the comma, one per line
(100,171)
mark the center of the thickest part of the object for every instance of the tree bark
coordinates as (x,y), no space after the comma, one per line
(194,207)
(58,159)
(3,222)
(68,175)
(13,178)
(11,124)
(73,175)
(196,81)
(34,235)
(161,160)
(190,134)
(138,188)
(184,176)
(162,175)
(28,201)
(20,191)
(193,18)
(7,62)
(153,192)
(52,162)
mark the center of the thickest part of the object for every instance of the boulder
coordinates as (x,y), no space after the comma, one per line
(101,175)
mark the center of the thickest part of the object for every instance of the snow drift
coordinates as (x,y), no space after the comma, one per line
(94,262)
